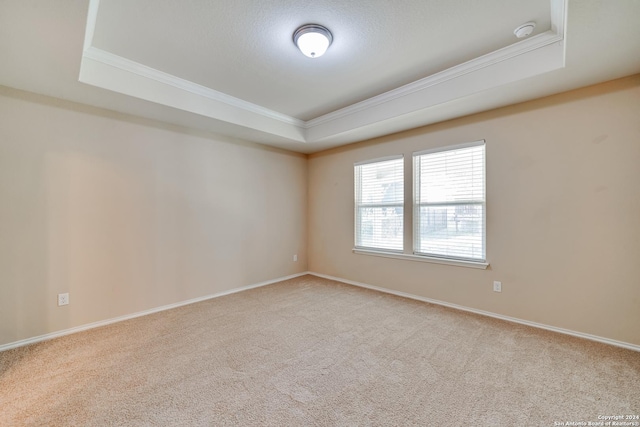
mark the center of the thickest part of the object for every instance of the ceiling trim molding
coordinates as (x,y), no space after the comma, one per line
(526,58)
(142,70)
(92,18)
(521,48)
(406,110)
(558,16)
(116,79)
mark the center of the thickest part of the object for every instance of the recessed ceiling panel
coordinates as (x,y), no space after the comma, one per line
(244,48)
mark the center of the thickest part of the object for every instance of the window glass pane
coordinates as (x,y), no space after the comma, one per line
(381,228)
(379,195)
(451,231)
(455,175)
(382,183)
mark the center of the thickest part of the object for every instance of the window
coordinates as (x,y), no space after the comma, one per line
(379,204)
(445,218)
(449,202)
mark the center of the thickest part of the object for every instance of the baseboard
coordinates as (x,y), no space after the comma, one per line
(325,276)
(485,313)
(139,314)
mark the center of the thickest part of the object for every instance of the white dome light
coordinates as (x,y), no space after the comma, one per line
(312,40)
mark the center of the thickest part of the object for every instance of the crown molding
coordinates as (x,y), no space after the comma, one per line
(520,48)
(92,18)
(142,70)
(558,16)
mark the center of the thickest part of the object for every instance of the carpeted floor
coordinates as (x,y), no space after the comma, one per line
(310,351)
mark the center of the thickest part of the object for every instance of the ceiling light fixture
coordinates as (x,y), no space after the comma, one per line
(524,30)
(312,40)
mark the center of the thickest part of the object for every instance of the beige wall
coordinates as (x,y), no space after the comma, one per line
(128,214)
(563,212)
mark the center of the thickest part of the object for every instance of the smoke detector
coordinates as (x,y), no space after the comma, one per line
(524,30)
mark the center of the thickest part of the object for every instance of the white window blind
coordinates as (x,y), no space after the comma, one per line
(379,204)
(449,207)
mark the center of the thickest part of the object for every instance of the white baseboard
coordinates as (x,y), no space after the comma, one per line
(485,313)
(139,314)
(337,279)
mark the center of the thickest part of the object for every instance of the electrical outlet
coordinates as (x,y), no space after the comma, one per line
(295,258)
(63,299)
(497,286)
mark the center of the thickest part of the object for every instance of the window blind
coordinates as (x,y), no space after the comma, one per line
(449,207)
(379,204)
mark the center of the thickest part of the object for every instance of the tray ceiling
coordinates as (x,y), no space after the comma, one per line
(244,48)
(231,67)
(243,68)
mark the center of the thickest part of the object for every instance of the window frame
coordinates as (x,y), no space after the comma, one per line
(478,202)
(409,208)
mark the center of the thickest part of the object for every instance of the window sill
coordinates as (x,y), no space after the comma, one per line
(421,258)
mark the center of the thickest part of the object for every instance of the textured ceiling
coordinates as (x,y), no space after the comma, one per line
(241,52)
(243,48)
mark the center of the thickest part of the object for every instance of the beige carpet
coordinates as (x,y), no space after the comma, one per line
(310,351)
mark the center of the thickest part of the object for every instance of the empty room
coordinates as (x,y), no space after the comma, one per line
(329,213)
